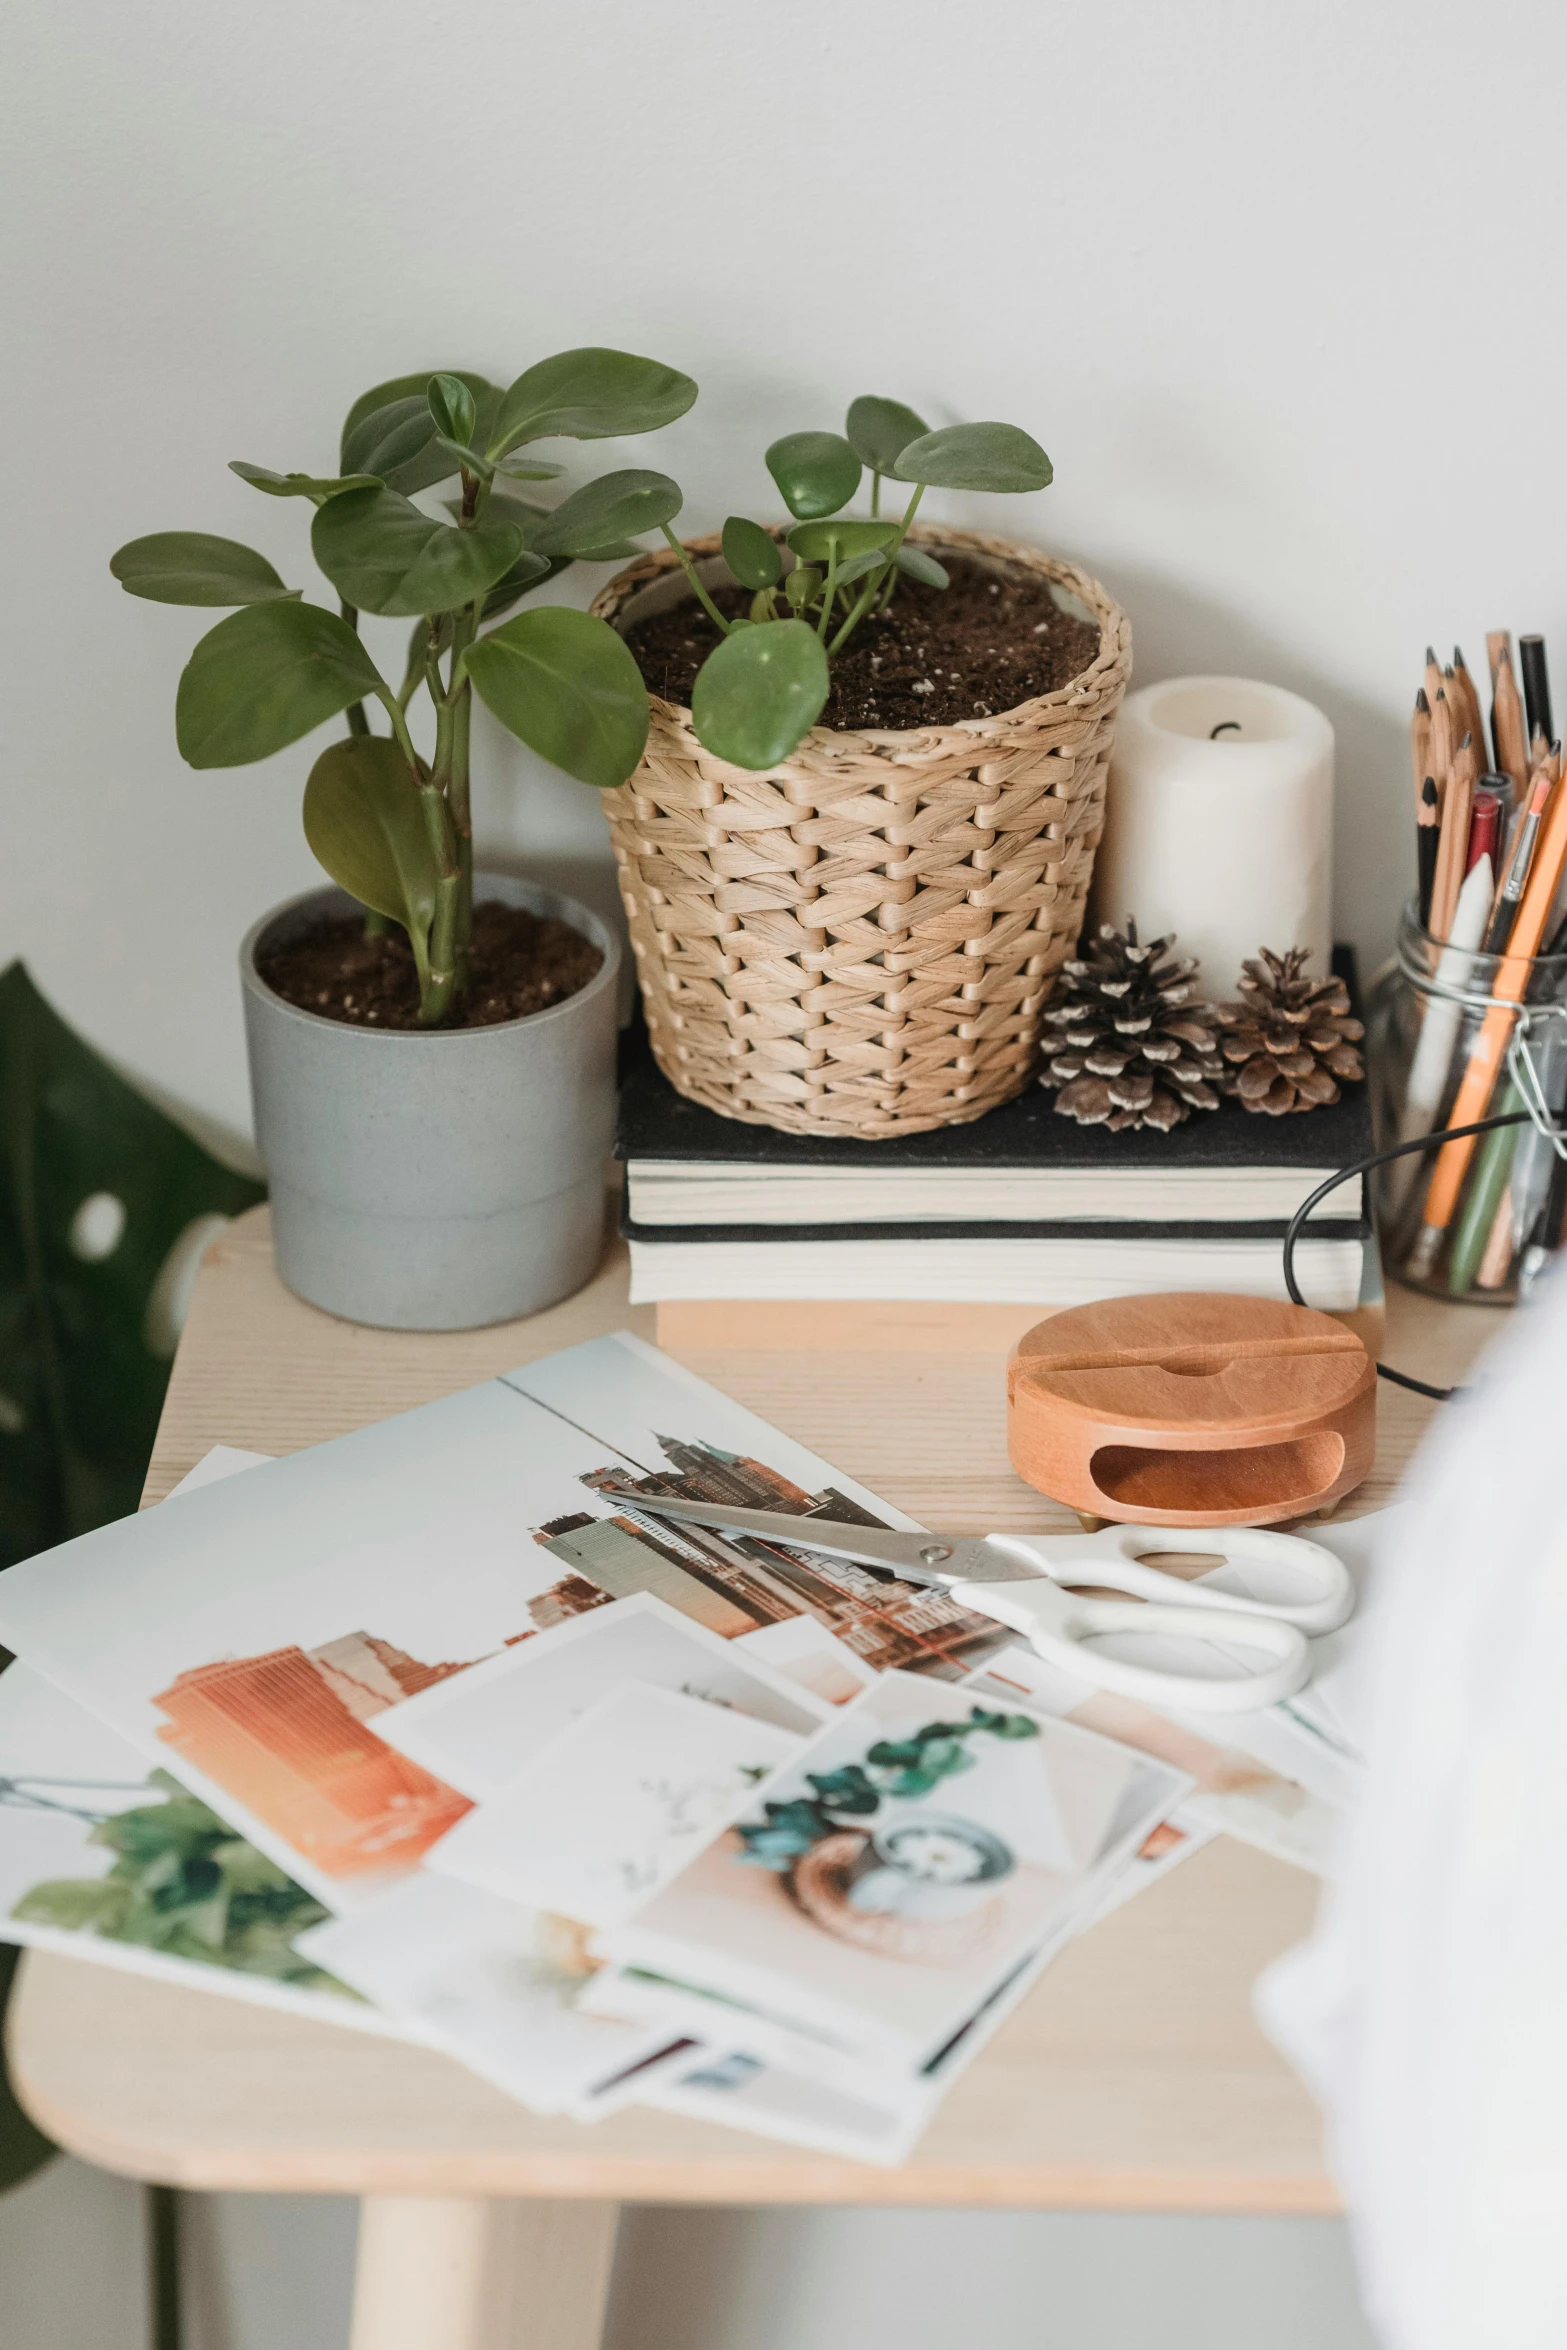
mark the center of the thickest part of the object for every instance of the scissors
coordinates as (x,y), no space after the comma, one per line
(1026,1581)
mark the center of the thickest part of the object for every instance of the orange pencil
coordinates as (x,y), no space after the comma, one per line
(1490,1045)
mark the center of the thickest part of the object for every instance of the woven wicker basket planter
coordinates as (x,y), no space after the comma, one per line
(860,941)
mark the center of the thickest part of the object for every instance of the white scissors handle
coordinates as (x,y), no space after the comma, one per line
(1114,1557)
(1061,1627)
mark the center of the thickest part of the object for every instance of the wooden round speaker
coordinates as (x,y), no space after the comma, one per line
(1192,1410)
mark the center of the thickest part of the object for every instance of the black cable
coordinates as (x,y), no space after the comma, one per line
(1400,1150)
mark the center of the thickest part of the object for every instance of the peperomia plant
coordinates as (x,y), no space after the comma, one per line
(390,821)
(764,686)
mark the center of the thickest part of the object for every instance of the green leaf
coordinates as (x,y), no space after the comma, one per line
(189,567)
(589,395)
(82,1382)
(921,566)
(529,571)
(264,677)
(364,824)
(413,457)
(567,686)
(608,509)
(530,469)
(817,542)
(453,407)
(751,553)
(858,565)
(816,472)
(760,692)
(300,485)
(801,585)
(879,430)
(383,555)
(976,457)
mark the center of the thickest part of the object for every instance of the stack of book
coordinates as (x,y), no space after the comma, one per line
(970,1233)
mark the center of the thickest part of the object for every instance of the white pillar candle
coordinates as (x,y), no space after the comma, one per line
(1219,823)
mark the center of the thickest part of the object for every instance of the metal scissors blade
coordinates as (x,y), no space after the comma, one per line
(918,1558)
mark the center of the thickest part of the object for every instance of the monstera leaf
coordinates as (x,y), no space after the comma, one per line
(23,2148)
(104,1204)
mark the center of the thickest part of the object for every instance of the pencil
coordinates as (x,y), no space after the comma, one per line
(1420,745)
(1427,836)
(1498,648)
(1444,742)
(1457,806)
(1512,749)
(1536,685)
(1433,677)
(1469,700)
(1490,1044)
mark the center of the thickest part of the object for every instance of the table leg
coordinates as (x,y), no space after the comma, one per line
(459,2273)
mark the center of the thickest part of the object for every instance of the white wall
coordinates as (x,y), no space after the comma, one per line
(1272,285)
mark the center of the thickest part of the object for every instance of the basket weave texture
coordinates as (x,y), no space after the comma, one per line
(860,941)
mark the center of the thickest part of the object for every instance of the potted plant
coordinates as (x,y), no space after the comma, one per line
(851,928)
(433,1100)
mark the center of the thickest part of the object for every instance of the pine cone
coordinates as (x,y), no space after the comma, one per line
(1128,1049)
(1292,1037)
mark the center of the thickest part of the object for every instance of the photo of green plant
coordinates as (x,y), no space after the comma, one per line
(183,1883)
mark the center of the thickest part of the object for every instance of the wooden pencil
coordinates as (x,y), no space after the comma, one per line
(1457,806)
(1469,702)
(1427,839)
(1420,745)
(1512,750)
(1498,648)
(1444,741)
(1433,676)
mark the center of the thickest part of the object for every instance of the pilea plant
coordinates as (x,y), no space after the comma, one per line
(892,1767)
(765,685)
(388,820)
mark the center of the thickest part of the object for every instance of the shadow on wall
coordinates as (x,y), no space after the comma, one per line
(1177,632)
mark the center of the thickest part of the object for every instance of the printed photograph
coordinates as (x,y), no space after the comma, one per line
(902,1869)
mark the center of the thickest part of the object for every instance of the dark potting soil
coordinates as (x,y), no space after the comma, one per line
(970,650)
(518,963)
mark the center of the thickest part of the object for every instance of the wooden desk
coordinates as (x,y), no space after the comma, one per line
(1133,2078)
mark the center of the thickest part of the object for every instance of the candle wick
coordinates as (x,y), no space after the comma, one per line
(1225,726)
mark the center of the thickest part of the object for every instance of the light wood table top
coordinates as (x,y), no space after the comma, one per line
(1133,2077)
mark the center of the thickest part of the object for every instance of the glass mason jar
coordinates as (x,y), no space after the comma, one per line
(1425,1012)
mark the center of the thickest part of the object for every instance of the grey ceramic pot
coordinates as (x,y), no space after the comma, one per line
(435,1181)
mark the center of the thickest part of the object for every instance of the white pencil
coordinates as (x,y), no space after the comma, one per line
(1439,1030)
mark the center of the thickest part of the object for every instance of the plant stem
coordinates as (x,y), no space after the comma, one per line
(878,579)
(358,718)
(700,592)
(875,495)
(829,593)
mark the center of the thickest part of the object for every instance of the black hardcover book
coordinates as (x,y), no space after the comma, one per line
(1022,1165)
